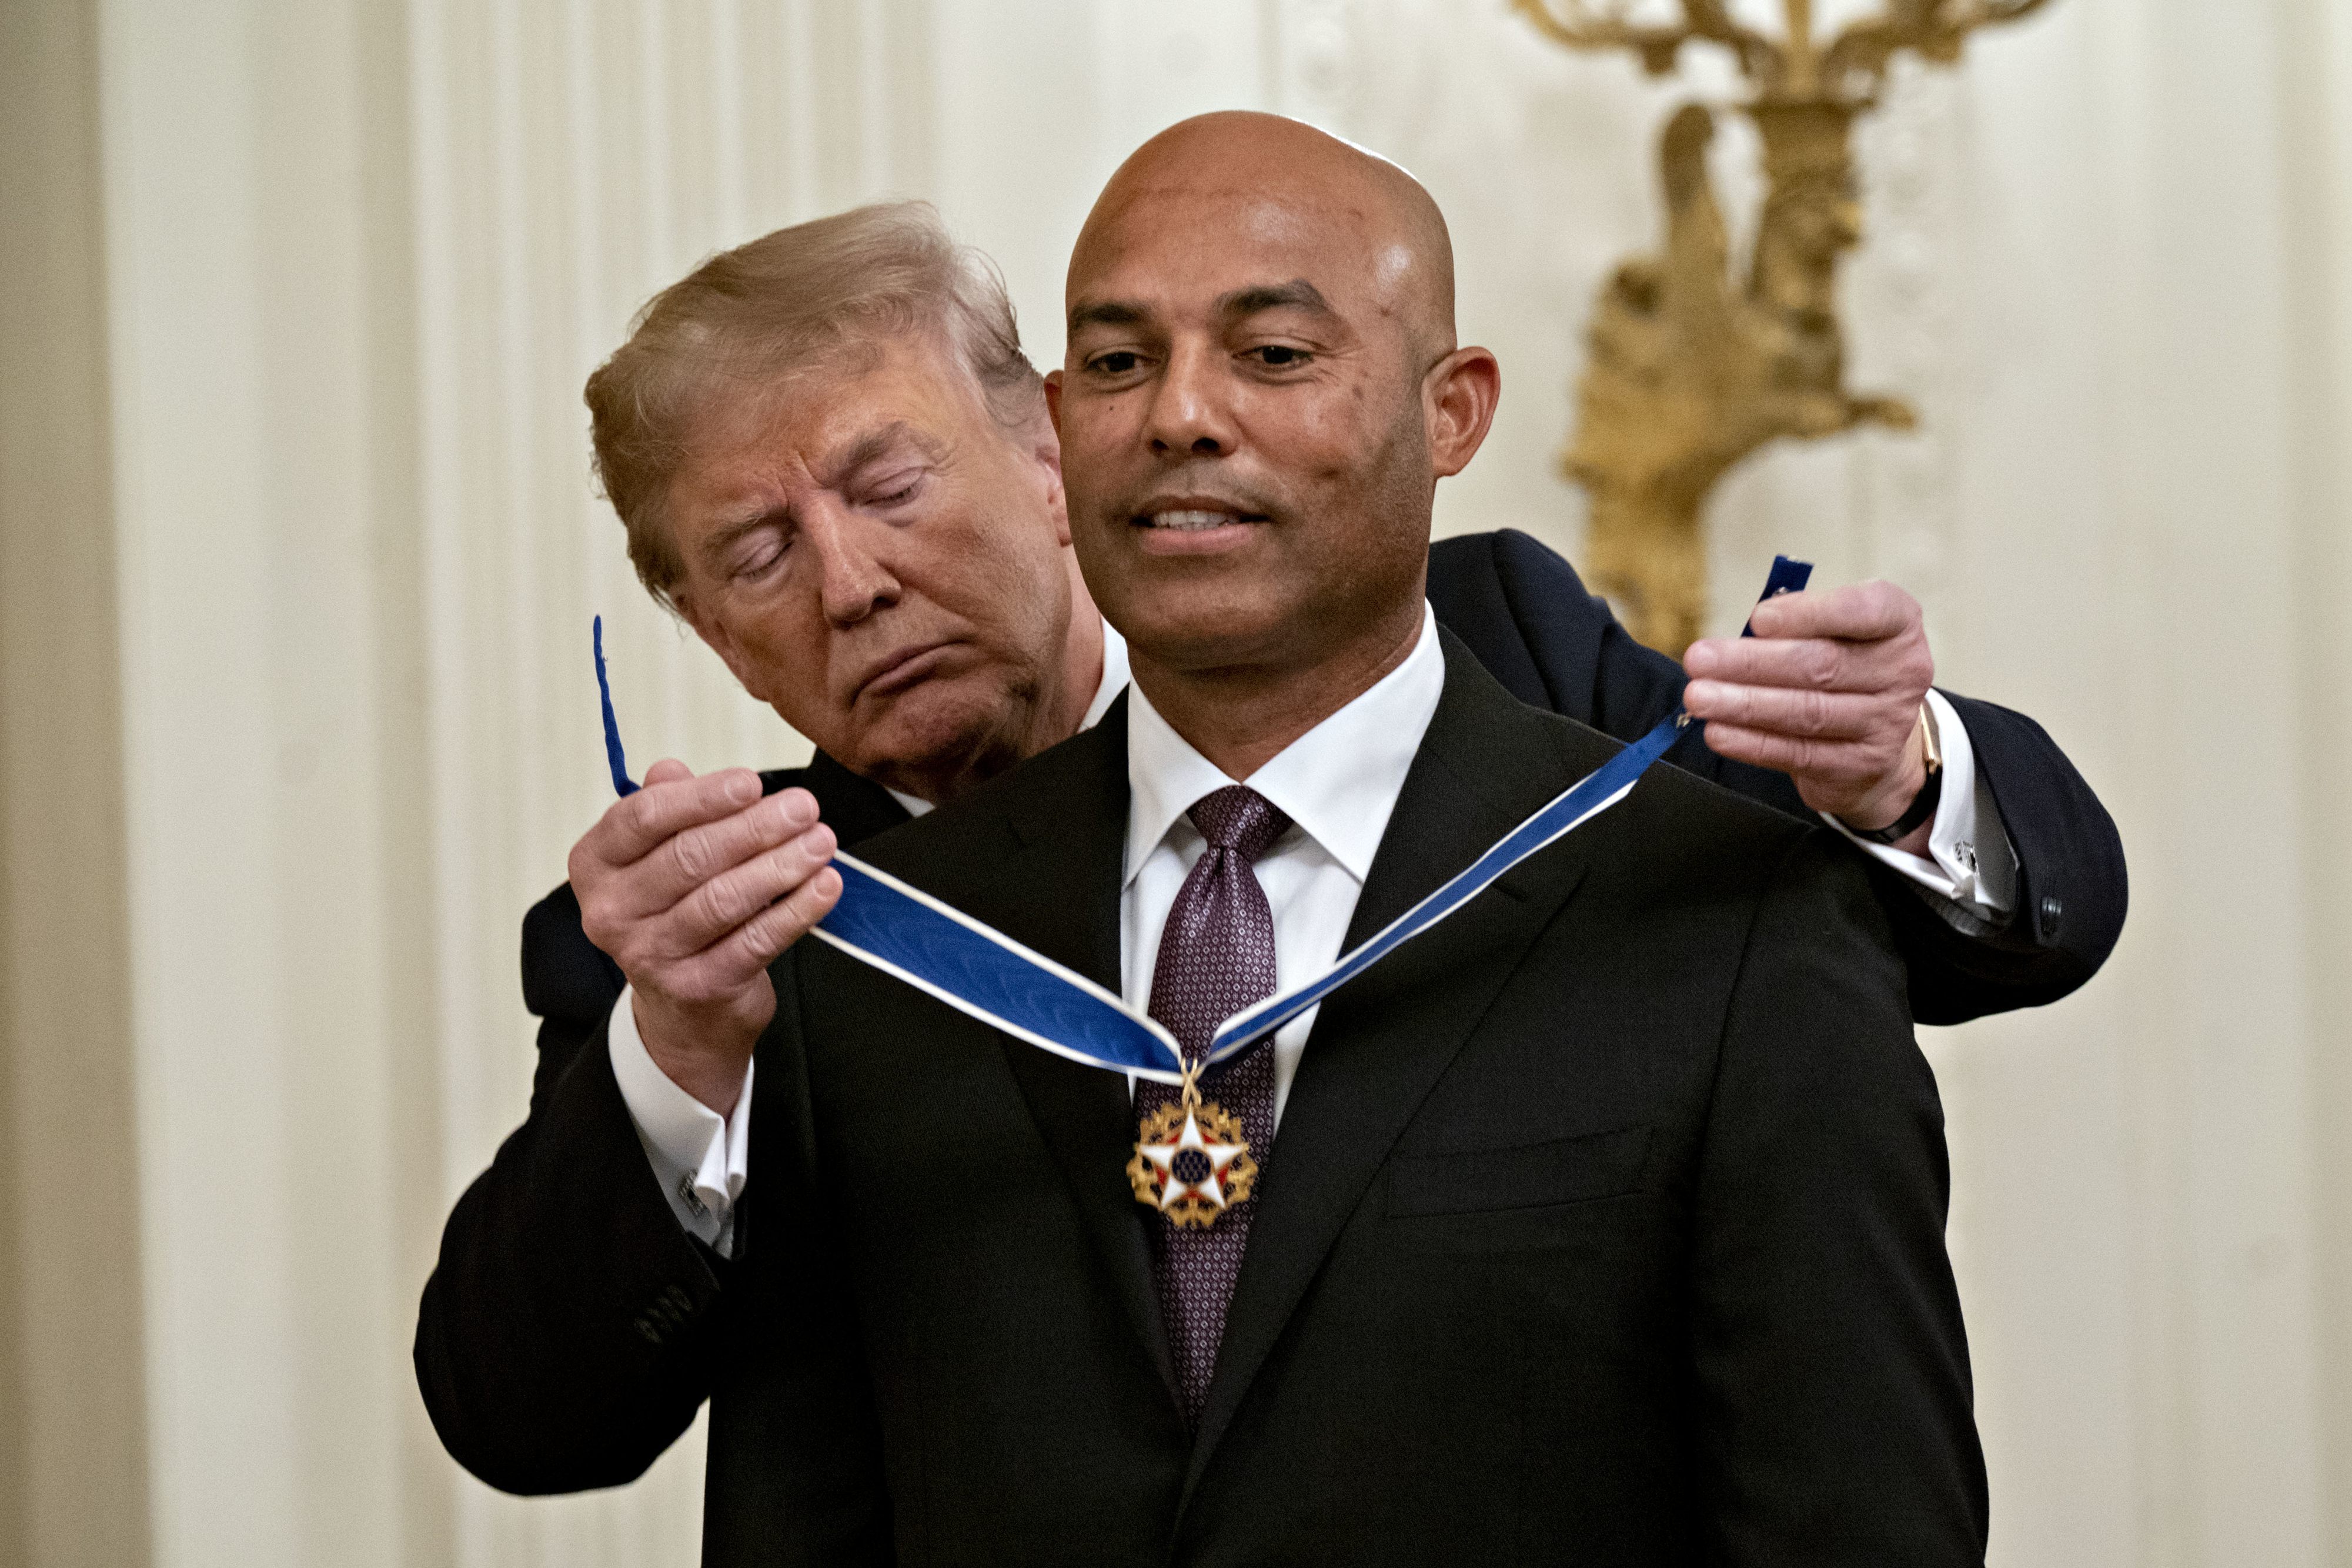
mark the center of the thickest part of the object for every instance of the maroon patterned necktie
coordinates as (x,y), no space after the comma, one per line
(1216,957)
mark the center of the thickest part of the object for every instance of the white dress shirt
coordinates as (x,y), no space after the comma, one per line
(1337,784)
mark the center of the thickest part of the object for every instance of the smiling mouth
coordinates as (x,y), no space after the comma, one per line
(1192,520)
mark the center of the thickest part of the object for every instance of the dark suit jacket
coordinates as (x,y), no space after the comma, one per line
(1605,1224)
(572,1329)
(1525,614)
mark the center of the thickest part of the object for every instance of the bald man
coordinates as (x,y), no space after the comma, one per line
(1601,1224)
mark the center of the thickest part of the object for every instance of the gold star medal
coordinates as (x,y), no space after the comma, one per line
(1191,1162)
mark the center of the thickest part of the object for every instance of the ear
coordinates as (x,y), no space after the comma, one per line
(719,641)
(1047,450)
(1054,407)
(1458,398)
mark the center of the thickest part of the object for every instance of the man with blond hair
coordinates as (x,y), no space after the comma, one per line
(844,482)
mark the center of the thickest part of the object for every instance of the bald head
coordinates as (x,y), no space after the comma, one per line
(1261,393)
(1366,220)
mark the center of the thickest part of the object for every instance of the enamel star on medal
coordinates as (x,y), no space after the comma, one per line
(1192,1162)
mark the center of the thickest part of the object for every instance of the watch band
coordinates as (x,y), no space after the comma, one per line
(1923,805)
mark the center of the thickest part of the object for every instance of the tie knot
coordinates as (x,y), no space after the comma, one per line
(1239,818)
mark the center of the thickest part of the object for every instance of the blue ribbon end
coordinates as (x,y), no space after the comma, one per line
(622,785)
(1786,577)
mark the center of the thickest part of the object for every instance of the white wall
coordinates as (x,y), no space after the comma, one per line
(362,256)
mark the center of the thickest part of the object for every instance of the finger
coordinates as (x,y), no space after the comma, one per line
(724,903)
(1828,767)
(1812,664)
(1859,612)
(668,770)
(1802,713)
(645,821)
(737,960)
(789,918)
(1895,668)
(683,865)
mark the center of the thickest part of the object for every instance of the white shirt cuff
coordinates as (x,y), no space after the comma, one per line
(699,1157)
(1968,858)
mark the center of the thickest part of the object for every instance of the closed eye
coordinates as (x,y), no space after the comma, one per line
(896,490)
(758,555)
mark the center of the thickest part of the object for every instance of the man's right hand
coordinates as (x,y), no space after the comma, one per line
(693,886)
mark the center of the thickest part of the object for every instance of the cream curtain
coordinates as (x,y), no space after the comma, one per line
(359,257)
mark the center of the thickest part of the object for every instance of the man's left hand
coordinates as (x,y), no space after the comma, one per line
(1828,692)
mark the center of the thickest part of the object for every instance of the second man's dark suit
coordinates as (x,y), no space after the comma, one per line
(1525,614)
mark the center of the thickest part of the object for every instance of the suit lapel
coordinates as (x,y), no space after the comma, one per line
(1068,831)
(1380,1044)
(854,807)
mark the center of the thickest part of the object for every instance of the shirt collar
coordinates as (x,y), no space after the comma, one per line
(1114,677)
(1339,782)
(1114,681)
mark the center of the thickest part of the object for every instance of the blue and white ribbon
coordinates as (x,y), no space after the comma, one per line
(1562,815)
(904,932)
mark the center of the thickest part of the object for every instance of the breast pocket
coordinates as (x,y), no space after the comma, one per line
(1531,1175)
